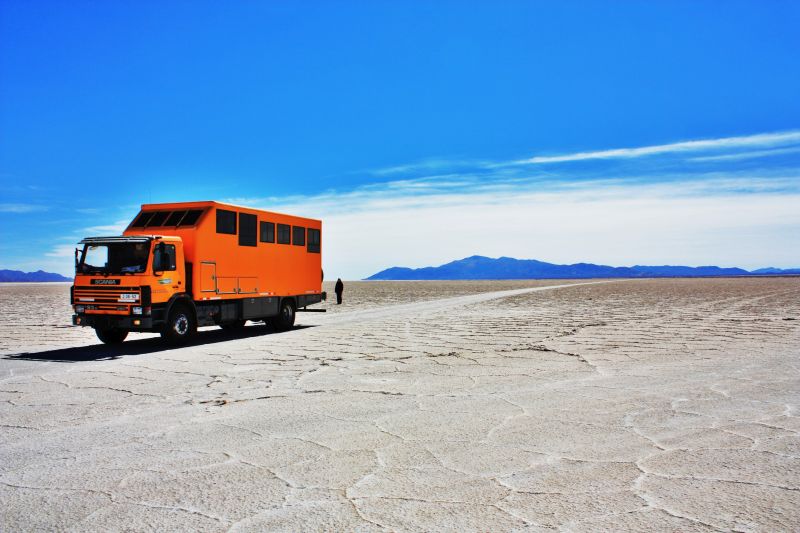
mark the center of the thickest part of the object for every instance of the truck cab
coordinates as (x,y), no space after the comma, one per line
(125,283)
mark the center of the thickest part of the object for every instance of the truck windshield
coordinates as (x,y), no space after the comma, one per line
(114,258)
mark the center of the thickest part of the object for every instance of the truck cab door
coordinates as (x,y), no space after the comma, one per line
(168,269)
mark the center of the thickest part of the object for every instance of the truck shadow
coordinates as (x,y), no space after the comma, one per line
(104,352)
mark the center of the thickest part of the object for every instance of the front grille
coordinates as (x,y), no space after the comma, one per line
(107,298)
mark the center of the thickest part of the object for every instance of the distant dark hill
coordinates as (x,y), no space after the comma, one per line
(39,275)
(479,267)
(776,271)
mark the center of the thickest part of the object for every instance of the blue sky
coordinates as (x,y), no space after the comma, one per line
(619,133)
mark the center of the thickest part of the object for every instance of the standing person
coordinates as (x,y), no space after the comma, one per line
(338,290)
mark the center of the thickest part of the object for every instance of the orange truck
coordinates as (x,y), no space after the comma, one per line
(182,265)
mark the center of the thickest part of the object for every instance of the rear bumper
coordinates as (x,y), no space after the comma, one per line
(132,323)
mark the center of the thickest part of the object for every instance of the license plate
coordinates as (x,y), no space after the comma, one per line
(128,297)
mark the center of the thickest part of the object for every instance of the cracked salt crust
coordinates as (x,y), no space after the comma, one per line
(461,406)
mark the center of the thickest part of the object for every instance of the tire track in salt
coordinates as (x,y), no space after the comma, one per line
(432,306)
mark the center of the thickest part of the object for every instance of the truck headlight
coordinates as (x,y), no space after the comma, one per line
(137,310)
(80,309)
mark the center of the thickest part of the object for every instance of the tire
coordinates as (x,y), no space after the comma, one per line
(181,325)
(285,319)
(111,335)
(233,326)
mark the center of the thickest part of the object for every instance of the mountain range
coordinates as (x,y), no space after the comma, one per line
(39,275)
(479,267)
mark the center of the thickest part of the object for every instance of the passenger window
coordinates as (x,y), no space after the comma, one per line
(267,232)
(175,218)
(158,219)
(142,220)
(164,256)
(226,222)
(298,235)
(313,240)
(284,234)
(248,225)
(191,217)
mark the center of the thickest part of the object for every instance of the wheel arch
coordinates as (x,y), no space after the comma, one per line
(291,299)
(180,298)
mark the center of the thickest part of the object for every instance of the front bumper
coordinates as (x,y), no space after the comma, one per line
(133,323)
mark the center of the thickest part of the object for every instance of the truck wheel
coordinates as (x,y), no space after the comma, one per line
(180,326)
(111,335)
(233,326)
(285,319)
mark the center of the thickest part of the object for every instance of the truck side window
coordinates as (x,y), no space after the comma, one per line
(267,232)
(158,219)
(226,222)
(174,218)
(298,235)
(284,234)
(313,240)
(167,260)
(248,225)
(142,220)
(191,217)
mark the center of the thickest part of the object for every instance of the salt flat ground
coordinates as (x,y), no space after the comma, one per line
(625,405)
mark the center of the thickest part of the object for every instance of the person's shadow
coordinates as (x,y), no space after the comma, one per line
(107,352)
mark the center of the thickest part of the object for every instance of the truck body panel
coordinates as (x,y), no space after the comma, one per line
(257,267)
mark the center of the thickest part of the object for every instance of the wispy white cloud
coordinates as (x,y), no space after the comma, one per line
(448,190)
(62,250)
(757,145)
(730,219)
(624,224)
(21,208)
(741,219)
(709,214)
(108,229)
(428,165)
(754,154)
(724,143)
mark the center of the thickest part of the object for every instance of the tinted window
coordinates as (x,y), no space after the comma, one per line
(142,220)
(267,232)
(158,219)
(247,229)
(284,234)
(174,218)
(164,255)
(313,240)
(226,222)
(191,217)
(298,235)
